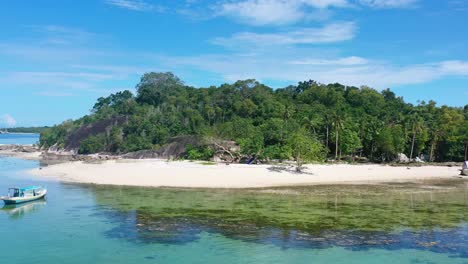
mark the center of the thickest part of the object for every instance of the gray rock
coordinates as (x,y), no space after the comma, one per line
(401,157)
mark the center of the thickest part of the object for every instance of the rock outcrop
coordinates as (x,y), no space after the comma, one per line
(103,126)
(176,148)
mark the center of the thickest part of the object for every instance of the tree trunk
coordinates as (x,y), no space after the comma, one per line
(298,163)
(326,143)
(412,144)
(336,145)
(466,150)
(431,154)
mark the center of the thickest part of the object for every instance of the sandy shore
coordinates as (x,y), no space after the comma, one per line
(158,173)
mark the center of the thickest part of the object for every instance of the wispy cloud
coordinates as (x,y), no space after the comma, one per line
(336,32)
(54,44)
(7,120)
(61,35)
(78,64)
(353,60)
(277,12)
(389,3)
(293,66)
(283,12)
(135,5)
(38,76)
(458,5)
(115,70)
(64,81)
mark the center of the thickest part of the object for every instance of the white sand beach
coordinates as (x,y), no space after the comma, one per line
(159,173)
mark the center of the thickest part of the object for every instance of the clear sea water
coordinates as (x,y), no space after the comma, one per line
(392,223)
(20,139)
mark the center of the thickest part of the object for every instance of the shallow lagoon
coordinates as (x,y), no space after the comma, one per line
(407,223)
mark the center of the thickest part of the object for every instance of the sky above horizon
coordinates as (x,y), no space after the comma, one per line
(58,57)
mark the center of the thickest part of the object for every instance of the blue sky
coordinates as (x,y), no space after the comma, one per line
(58,57)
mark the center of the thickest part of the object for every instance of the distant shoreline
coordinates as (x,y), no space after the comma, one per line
(185,174)
(23,151)
(17,133)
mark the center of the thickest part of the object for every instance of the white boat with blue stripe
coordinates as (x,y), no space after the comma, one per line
(23,195)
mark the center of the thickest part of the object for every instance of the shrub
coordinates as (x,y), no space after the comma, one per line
(199,152)
(92,144)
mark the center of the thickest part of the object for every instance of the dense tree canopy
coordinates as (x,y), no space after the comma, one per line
(309,121)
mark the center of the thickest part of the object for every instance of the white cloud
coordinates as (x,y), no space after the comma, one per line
(61,35)
(283,12)
(135,5)
(275,57)
(61,68)
(8,120)
(115,70)
(87,81)
(389,3)
(454,67)
(353,60)
(263,12)
(293,66)
(276,12)
(325,3)
(328,34)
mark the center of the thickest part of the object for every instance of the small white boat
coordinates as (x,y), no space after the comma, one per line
(23,195)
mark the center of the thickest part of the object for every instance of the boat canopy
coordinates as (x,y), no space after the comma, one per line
(30,188)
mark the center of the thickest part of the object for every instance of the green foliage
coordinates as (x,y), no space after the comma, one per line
(389,142)
(350,142)
(34,130)
(305,148)
(278,152)
(199,152)
(92,144)
(57,135)
(156,88)
(272,124)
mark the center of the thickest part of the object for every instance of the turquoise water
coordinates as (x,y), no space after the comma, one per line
(21,139)
(401,223)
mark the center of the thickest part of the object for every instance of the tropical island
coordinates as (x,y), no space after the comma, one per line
(250,123)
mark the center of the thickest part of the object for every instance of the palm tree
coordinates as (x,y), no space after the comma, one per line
(312,122)
(288,111)
(417,128)
(338,124)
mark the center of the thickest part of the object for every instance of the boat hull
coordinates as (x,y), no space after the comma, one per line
(19,200)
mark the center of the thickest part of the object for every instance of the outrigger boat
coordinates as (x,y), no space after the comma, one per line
(23,195)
